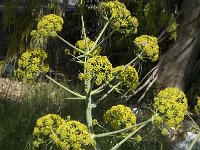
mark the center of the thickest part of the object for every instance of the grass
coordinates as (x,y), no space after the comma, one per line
(18,116)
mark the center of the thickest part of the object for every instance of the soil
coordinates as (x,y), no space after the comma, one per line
(10,89)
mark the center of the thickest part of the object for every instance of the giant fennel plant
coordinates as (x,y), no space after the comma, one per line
(53,132)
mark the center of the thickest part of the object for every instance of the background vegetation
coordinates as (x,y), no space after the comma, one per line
(18,116)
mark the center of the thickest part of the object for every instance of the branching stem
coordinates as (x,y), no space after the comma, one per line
(72,46)
(122,130)
(99,37)
(65,88)
(127,137)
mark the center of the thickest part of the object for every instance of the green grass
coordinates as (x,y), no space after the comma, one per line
(18,116)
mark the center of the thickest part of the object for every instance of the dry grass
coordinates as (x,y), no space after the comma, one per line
(10,89)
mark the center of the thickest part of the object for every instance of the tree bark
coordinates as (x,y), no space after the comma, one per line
(176,65)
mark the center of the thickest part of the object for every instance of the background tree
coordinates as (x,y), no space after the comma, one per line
(18,20)
(177,64)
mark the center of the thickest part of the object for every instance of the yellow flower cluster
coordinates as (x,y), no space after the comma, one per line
(148,46)
(171,106)
(172,30)
(45,124)
(44,127)
(164,132)
(138,139)
(63,134)
(49,25)
(120,17)
(98,68)
(197,107)
(81,45)
(72,134)
(95,122)
(119,117)
(129,77)
(31,63)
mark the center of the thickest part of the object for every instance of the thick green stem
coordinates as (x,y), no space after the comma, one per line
(88,85)
(127,137)
(113,88)
(84,33)
(89,108)
(89,102)
(99,89)
(72,46)
(98,38)
(89,115)
(70,91)
(105,38)
(122,130)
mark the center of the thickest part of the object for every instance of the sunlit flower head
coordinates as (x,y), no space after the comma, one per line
(119,117)
(148,46)
(171,106)
(49,25)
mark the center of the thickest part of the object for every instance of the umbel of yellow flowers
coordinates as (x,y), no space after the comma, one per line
(31,63)
(197,107)
(98,68)
(171,106)
(173,30)
(128,77)
(119,117)
(120,17)
(148,46)
(64,134)
(49,25)
(81,45)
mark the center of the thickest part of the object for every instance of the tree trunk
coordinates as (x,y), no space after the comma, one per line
(175,67)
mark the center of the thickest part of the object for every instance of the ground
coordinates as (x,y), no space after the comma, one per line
(10,89)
